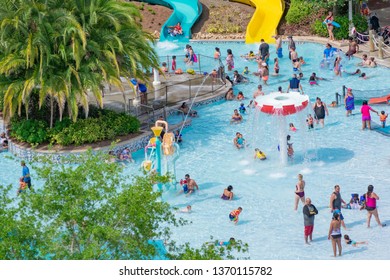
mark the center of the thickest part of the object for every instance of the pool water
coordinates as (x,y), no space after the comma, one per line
(340,153)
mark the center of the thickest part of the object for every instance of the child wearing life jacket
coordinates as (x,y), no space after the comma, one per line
(259,154)
(233,216)
(382,118)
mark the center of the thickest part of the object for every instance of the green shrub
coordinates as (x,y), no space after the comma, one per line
(360,23)
(299,9)
(33,132)
(106,125)
(318,28)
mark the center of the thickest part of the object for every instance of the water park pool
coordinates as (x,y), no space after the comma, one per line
(340,153)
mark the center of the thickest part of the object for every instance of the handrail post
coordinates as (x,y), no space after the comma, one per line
(200,68)
(380,47)
(344,89)
(189,89)
(371,40)
(166,95)
(337,98)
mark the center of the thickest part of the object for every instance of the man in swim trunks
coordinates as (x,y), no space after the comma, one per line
(352,49)
(335,199)
(291,44)
(278,46)
(320,109)
(309,212)
(191,184)
(264,50)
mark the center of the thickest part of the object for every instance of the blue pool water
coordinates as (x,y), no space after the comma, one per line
(340,153)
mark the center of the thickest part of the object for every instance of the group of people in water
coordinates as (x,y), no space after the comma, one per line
(367,201)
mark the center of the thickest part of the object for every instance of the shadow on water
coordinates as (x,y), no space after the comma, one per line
(327,155)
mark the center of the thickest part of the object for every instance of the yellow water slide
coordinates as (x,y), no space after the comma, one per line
(264,21)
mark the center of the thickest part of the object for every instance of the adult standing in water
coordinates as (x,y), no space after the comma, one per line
(370,206)
(320,109)
(309,212)
(291,45)
(329,25)
(278,46)
(230,60)
(349,102)
(26,174)
(366,116)
(335,233)
(299,191)
(335,199)
(264,51)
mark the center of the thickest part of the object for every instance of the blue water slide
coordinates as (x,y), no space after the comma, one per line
(187,12)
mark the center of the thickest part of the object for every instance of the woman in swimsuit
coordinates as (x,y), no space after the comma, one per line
(227,193)
(349,102)
(337,66)
(328,21)
(320,109)
(299,191)
(366,116)
(371,199)
(230,60)
(335,233)
(236,117)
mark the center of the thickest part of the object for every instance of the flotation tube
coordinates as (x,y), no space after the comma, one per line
(335,24)
(191,71)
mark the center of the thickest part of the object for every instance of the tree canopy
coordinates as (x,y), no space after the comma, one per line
(63,49)
(93,211)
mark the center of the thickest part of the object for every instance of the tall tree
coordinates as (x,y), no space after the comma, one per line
(90,211)
(65,49)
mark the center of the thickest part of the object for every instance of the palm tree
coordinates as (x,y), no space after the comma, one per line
(65,49)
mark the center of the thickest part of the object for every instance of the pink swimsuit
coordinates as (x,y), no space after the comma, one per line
(365,110)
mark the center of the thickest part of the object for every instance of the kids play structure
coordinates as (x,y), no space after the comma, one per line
(161,153)
(262,25)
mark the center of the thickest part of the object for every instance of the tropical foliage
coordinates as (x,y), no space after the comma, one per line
(64,49)
(104,125)
(92,211)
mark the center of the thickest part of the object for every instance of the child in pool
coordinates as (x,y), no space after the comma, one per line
(242,108)
(382,118)
(276,67)
(292,127)
(301,60)
(259,155)
(178,136)
(333,104)
(349,241)
(187,209)
(240,96)
(246,71)
(310,121)
(233,216)
(22,186)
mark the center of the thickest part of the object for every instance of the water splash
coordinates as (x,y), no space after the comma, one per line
(167,46)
